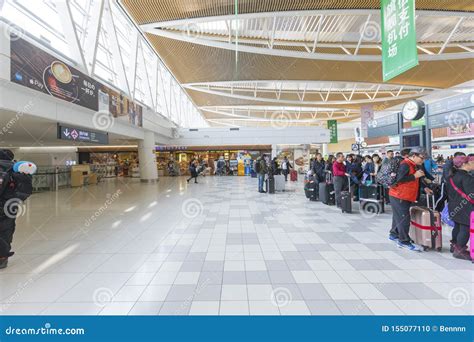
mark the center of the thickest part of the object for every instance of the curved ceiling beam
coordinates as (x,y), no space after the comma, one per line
(299,102)
(300,54)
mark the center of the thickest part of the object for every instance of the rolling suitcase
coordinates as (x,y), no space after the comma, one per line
(279,182)
(425,226)
(311,190)
(270,185)
(293,176)
(327,194)
(346,200)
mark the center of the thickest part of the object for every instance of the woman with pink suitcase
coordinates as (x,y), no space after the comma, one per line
(461,205)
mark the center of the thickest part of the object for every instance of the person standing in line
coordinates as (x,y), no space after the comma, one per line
(340,177)
(193,169)
(285,167)
(318,168)
(461,203)
(261,169)
(403,194)
(369,169)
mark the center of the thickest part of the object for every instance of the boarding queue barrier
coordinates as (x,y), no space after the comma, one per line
(51,178)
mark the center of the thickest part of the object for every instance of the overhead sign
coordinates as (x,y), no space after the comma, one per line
(451,103)
(384,126)
(399,52)
(366,115)
(455,118)
(36,69)
(332,126)
(82,135)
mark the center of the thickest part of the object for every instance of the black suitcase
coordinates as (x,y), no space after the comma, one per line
(346,202)
(372,193)
(327,194)
(270,185)
(311,190)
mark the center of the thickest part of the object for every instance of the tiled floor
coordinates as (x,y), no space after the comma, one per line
(218,247)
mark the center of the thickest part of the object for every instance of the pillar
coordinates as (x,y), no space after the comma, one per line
(147,158)
(325,150)
(274,150)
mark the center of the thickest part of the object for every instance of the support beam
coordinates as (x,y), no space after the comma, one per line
(450,35)
(362,34)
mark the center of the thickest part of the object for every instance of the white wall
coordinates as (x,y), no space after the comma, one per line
(46,156)
(251,136)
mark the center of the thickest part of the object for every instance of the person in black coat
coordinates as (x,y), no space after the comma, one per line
(193,169)
(461,203)
(318,168)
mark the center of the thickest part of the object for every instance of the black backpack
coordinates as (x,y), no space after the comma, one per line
(14,184)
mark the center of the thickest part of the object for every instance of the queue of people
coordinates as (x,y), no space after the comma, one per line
(407,179)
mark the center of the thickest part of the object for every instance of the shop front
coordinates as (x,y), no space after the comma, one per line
(238,160)
(110,162)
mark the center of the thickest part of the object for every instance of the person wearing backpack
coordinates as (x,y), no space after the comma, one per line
(285,167)
(461,203)
(403,193)
(15,187)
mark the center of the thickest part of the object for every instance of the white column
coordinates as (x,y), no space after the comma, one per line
(147,158)
(325,150)
(274,151)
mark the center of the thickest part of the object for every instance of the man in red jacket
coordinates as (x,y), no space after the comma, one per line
(340,177)
(403,194)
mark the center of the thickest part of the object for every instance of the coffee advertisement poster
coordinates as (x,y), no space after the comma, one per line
(37,69)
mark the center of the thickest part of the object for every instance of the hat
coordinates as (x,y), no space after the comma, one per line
(418,151)
(461,160)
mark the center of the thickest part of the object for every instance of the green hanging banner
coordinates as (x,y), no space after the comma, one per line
(332,126)
(399,52)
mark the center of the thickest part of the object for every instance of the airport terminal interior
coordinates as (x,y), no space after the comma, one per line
(236,157)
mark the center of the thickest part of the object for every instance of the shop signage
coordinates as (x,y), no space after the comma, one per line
(332,126)
(399,52)
(171,148)
(82,135)
(36,69)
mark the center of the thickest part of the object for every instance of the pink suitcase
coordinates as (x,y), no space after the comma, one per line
(425,226)
(471,239)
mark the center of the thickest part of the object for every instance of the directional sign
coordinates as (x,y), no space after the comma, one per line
(399,51)
(82,135)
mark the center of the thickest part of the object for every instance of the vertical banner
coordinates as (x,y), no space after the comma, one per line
(332,126)
(399,51)
(366,115)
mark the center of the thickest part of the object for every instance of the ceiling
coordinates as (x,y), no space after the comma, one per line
(301,61)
